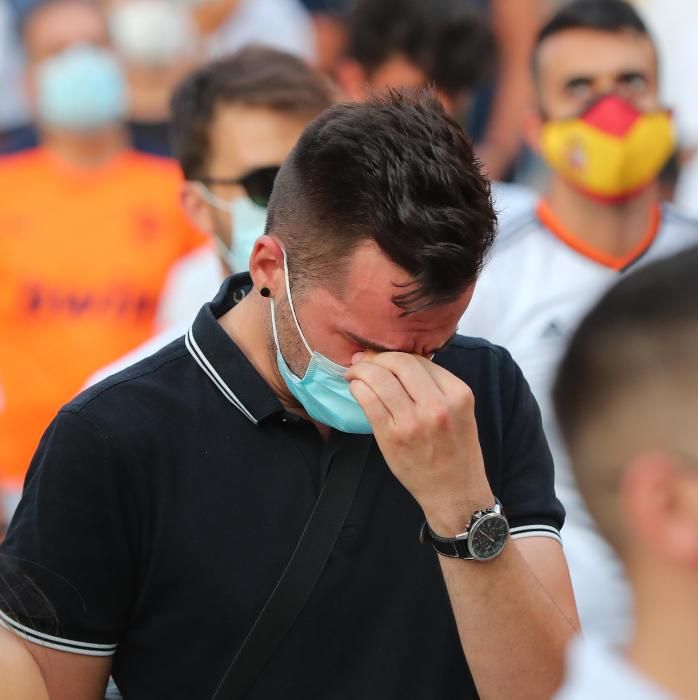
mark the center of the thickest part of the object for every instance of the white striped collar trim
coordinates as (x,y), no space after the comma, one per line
(52,642)
(208,368)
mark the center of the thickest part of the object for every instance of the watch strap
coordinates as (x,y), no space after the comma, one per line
(455,547)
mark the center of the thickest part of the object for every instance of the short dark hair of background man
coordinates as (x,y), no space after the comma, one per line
(410,43)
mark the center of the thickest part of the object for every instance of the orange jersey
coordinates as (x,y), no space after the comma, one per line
(83,258)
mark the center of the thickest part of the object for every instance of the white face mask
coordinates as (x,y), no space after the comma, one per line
(81,89)
(152,32)
(248,223)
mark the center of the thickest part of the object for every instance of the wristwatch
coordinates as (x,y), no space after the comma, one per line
(483,539)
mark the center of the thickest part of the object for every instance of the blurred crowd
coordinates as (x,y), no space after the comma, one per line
(140,139)
(102,244)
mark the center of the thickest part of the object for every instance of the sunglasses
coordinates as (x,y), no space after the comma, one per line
(257,183)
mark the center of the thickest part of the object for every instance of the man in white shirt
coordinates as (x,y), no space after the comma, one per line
(234,122)
(626,398)
(602,130)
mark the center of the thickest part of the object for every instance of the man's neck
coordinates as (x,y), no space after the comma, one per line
(666,630)
(86,151)
(248,324)
(615,229)
(150,91)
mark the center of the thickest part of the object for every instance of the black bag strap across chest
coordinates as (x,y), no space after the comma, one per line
(303,570)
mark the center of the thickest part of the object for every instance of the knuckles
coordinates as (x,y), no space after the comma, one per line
(440,415)
(407,431)
(461,398)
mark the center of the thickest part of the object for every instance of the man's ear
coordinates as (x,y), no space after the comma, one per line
(661,503)
(197,210)
(352,80)
(267,266)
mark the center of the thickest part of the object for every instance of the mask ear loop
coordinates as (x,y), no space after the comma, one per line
(273,326)
(293,310)
(222,205)
(213,199)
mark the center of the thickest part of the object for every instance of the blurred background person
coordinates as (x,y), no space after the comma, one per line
(89,230)
(605,135)
(234,122)
(330,35)
(409,43)
(498,111)
(627,396)
(157,44)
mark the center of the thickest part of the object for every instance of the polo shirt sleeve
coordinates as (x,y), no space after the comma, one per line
(527,487)
(70,548)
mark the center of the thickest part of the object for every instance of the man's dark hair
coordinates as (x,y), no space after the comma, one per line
(601,15)
(255,76)
(644,329)
(395,170)
(446,39)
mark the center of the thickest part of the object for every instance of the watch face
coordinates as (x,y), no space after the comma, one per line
(488,536)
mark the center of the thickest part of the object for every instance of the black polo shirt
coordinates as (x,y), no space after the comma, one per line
(163,504)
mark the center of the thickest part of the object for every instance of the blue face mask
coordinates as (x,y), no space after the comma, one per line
(81,89)
(323,392)
(248,222)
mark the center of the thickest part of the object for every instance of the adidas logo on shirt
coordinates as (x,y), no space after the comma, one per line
(553,330)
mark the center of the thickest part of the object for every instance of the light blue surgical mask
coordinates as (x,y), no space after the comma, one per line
(248,222)
(81,89)
(323,391)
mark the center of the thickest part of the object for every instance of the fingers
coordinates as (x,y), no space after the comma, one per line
(432,389)
(441,377)
(385,385)
(408,370)
(376,412)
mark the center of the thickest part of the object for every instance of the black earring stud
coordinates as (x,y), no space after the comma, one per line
(264,291)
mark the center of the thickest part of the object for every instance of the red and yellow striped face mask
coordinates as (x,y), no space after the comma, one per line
(611,151)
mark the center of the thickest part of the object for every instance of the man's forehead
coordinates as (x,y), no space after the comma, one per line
(594,52)
(370,274)
(397,69)
(57,26)
(365,300)
(245,137)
